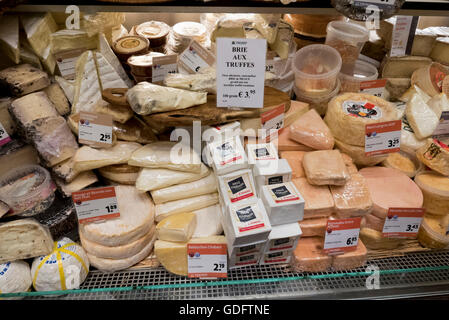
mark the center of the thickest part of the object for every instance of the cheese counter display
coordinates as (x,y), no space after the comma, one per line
(125,145)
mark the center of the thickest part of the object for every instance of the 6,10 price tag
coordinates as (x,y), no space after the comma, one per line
(207,260)
(96,204)
(342,235)
(382,138)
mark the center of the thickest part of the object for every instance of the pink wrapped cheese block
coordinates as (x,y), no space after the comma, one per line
(315,227)
(284,143)
(309,255)
(318,199)
(350,260)
(311,131)
(294,159)
(325,167)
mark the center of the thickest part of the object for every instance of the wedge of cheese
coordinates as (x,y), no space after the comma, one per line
(177,227)
(409,142)
(185,205)
(9,37)
(71,39)
(325,167)
(440,50)
(435,155)
(396,87)
(421,117)
(402,67)
(38,28)
(22,79)
(58,98)
(414,89)
(80,182)
(68,87)
(108,76)
(311,131)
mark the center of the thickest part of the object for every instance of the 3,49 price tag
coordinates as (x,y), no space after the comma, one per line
(382,138)
(4,136)
(342,235)
(403,222)
(95,129)
(96,204)
(207,260)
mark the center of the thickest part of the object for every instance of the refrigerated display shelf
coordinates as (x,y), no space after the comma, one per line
(411,275)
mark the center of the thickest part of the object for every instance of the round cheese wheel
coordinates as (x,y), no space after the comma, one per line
(63,269)
(15,276)
(433,231)
(390,188)
(121,173)
(155,31)
(404,162)
(358,154)
(435,155)
(348,114)
(435,189)
(375,240)
(127,46)
(370,221)
(136,219)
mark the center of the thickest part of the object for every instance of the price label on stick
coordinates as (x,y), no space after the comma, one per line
(195,57)
(163,66)
(95,129)
(342,235)
(96,204)
(403,222)
(374,87)
(382,138)
(207,260)
(4,136)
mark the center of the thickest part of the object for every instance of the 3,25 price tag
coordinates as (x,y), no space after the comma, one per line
(207,260)
(342,235)
(403,222)
(96,204)
(382,138)
(95,129)
(4,136)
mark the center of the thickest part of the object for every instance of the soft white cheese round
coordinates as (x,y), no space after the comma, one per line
(15,276)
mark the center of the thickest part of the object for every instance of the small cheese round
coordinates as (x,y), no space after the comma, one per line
(435,189)
(375,240)
(433,231)
(15,276)
(402,162)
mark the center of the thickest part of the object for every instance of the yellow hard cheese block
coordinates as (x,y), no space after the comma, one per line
(178,227)
(173,255)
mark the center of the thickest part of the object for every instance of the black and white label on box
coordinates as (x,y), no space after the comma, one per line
(241,72)
(4,136)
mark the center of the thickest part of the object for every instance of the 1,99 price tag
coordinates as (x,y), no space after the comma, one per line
(207,260)
(95,129)
(96,204)
(4,136)
(342,235)
(382,138)
(403,222)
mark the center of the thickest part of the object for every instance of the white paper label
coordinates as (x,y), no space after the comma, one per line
(163,66)
(96,204)
(4,136)
(95,129)
(241,72)
(442,130)
(382,138)
(195,57)
(403,222)
(402,37)
(207,260)
(402,225)
(342,235)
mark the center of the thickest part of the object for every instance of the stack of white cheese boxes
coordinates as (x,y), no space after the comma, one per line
(260,206)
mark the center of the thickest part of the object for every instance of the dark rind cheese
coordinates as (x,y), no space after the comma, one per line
(22,79)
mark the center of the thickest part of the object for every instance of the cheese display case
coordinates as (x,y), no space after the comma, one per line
(135,164)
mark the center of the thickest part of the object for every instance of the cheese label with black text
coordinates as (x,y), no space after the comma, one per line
(374,87)
(403,35)
(207,260)
(4,136)
(66,61)
(382,138)
(284,193)
(195,57)
(403,222)
(95,129)
(248,217)
(162,66)
(96,204)
(342,235)
(239,188)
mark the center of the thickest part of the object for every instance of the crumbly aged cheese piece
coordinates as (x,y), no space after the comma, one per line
(15,154)
(66,267)
(349,163)
(396,87)
(110,265)
(53,139)
(370,221)
(318,199)
(208,222)
(374,240)
(87,158)
(81,181)
(311,131)
(435,155)
(118,252)
(177,227)
(146,98)
(185,205)
(390,188)
(22,79)
(70,39)
(168,155)
(38,28)
(186,190)
(402,162)
(433,232)
(15,276)
(402,67)
(435,189)
(172,255)
(414,89)
(440,50)
(325,167)
(353,199)
(315,227)
(349,113)
(58,98)
(284,143)
(136,218)
(154,179)
(9,37)
(294,159)
(120,173)
(309,255)
(204,81)
(5,118)
(23,239)
(358,154)
(409,142)
(350,260)
(421,118)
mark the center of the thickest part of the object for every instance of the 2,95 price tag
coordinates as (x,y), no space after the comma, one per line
(96,204)
(4,136)
(95,129)
(403,222)
(272,121)
(382,138)
(207,260)
(342,235)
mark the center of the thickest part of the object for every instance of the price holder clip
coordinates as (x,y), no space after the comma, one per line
(342,235)
(95,129)
(195,57)
(382,138)
(207,260)
(96,204)
(4,136)
(403,222)
(162,66)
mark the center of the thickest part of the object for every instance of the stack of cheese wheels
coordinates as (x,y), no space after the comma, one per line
(348,114)
(15,276)
(389,188)
(120,243)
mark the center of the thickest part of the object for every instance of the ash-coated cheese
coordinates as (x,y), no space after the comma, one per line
(166,209)
(435,155)
(177,227)
(325,167)
(15,276)
(22,79)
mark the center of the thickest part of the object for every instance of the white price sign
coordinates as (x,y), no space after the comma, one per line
(195,57)
(403,35)
(95,129)
(96,204)
(342,235)
(207,260)
(382,138)
(4,136)
(163,66)
(241,72)
(403,222)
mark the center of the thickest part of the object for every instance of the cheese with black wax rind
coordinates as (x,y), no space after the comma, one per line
(435,155)
(325,167)
(23,79)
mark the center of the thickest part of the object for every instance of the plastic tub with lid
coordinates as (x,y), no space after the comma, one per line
(363,71)
(435,189)
(142,65)
(348,39)
(318,102)
(316,68)
(27,190)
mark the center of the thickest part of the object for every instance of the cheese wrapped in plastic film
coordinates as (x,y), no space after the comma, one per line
(311,131)
(185,205)
(309,255)
(325,167)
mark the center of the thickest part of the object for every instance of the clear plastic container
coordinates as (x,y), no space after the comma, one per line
(348,39)
(316,69)
(28,190)
(363,71)
(435,189)
(318,102)
(433,232)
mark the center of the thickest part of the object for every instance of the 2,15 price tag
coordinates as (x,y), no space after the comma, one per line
(403,222)
(95,129)
(382,138)
(207,260)
(342,235)
(4,136)
(96,204)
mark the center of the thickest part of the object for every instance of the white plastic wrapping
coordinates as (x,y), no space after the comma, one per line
(185,205)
